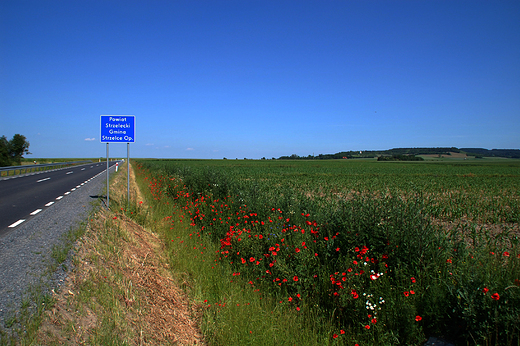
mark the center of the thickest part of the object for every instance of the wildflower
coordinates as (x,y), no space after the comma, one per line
(373,277)
(412,292)
(448,260)
(367,327)
(297,250)
(374,321)
(295,278)
(413,279)
(495,296)
(334,336)
(297,308)
(506,254)
(485,290)
(252,259)
(406,293)
(342,331)
(418,318)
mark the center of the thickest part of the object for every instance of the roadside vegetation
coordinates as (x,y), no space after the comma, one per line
(297,252)
(367,253)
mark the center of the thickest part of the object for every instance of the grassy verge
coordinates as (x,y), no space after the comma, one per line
(120,291)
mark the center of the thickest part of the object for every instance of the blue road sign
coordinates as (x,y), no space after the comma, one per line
(117,129)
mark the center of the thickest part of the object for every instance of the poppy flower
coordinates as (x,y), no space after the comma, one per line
(495,296)
(295,278)
(406,293)
(485,290)
(418,318)
(413,279)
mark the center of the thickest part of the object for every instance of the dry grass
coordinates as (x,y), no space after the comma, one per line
(120,256)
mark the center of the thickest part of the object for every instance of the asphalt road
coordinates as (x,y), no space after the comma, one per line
(23,197)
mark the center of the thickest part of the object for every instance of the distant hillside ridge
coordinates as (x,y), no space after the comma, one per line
(509,153)
(477,152)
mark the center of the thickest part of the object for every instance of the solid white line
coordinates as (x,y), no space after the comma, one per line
(39,181)
(49,204)
(58,198)
(16,223)
(36,212)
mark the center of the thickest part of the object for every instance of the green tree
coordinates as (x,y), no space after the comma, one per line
(4,152)
(11,152)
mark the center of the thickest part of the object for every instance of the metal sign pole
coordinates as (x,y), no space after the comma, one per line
(108,187)
(128,173)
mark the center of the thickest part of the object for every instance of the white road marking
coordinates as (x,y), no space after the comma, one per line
(39,181)
(16,223)
(66,193)
(49,204)
(83,169)
(58,198)
(36,212)
(73,189)
(69,172)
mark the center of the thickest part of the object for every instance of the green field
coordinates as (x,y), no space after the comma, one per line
(345,251)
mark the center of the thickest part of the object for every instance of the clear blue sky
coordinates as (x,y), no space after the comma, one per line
(235,79)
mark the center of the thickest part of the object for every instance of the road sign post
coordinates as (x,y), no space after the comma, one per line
(118,129)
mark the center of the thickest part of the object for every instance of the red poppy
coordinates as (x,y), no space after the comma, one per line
(485,290)
(367,327)
(406,293)
(374,321)
(506,254)
(252,259)
(295,278)
(413,279)
(418,318)
(495,296)
(334,336)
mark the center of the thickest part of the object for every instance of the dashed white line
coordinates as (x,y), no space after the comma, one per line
(49,204)
(66,193)
(69,172)
(39,181)
(73,189)
(36,211)
(16,223)
(58,198)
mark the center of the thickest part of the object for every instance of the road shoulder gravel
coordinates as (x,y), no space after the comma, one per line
(25,252)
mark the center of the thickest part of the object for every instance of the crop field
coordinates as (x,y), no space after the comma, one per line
(346,252)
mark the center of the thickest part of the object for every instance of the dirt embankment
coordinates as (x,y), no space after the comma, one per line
(120,288)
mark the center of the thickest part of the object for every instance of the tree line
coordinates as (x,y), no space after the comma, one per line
(12,151)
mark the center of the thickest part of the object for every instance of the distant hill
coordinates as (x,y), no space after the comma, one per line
(509,153)
(477,152)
